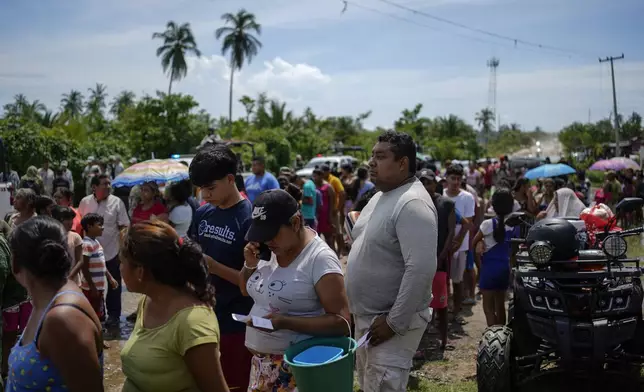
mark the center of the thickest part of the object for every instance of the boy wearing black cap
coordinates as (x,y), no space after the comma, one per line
(219,227)
(446,220)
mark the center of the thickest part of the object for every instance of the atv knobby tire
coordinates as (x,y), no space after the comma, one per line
(494,360)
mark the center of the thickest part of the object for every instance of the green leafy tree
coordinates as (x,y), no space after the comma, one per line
(249,106)
(412,123)
(177,42)
(238,42)
(632,127)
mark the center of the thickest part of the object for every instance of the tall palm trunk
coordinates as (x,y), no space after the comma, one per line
(230,99)
(171,79)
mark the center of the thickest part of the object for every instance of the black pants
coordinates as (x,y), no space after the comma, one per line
(113,298)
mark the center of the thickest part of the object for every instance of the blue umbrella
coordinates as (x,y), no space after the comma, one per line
(549,170)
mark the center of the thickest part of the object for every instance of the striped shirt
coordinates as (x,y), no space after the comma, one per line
(97,269)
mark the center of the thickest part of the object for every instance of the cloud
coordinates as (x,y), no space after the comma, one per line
(338,64)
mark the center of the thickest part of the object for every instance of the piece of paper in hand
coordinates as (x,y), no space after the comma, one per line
(363,340)
(262,323)
(241,318)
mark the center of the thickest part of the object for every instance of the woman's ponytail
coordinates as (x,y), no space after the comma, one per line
(195,271)
(502,203)
(499,231)
(172,260)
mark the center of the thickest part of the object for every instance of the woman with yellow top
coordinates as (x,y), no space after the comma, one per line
(175,342)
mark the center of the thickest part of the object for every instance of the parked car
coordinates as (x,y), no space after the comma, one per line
(335,162)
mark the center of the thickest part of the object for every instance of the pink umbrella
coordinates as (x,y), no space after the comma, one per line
(618,163)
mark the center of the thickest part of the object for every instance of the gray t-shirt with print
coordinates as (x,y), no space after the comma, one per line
(288,291)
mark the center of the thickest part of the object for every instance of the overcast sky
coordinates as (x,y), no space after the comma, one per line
(341,64)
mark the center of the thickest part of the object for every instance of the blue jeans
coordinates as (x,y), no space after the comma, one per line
(113,298)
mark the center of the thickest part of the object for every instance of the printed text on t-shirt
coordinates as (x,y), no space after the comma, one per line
(223,234)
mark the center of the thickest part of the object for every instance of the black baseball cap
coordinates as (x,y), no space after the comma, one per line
(271,210)
(428,175)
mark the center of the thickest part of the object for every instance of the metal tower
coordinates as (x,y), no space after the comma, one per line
(493,64)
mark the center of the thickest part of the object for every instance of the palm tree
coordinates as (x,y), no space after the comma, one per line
(177,42)
(121,102)
(240,42)
(97,97)
(72,103)
(34,110)
(49,119)
(21,102)
(485,118)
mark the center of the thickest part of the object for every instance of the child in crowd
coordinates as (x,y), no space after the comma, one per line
(44,205)
(94,273)
(495,265)
(67,216)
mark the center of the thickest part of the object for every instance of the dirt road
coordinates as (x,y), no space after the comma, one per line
(455,371)
(549,148)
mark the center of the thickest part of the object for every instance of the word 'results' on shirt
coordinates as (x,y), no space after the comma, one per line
(221,234)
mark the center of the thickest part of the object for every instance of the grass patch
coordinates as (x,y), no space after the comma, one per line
(635,248)
(428,386)
(460,386)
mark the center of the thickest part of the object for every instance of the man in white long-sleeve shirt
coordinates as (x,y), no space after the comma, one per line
(391,266)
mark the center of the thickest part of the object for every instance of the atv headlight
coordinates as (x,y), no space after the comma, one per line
(614,246)
(540,252)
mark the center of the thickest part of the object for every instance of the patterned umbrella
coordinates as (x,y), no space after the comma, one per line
(160,171)
(617,163)
(549,170)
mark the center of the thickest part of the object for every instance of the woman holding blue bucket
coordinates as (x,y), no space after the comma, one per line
(298,285)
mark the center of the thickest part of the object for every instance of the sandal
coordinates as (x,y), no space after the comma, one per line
(448,347)
(459,320)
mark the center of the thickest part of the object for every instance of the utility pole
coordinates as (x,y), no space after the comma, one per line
(612,75)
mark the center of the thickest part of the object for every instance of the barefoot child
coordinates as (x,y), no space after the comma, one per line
(94,273)
(495,264)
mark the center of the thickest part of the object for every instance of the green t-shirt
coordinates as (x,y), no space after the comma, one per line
(153,358)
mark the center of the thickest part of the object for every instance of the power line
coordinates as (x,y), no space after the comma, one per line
(434,28)
(514,40)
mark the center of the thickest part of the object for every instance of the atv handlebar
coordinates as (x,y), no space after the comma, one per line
(629,232)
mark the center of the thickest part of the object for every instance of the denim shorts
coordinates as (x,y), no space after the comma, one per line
(470,260)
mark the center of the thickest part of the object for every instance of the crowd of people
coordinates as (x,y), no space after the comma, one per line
(267,246)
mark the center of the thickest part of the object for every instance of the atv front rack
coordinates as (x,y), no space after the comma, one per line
(576,267)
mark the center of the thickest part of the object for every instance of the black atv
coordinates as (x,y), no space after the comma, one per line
(572,311)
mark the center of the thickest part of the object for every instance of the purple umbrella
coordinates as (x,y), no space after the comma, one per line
(618,163)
